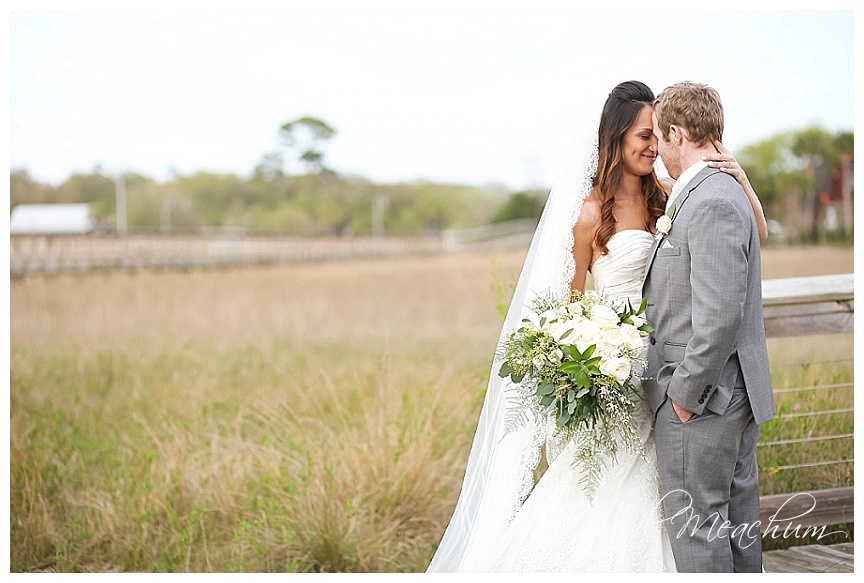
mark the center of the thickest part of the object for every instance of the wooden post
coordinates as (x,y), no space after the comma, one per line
(120,196)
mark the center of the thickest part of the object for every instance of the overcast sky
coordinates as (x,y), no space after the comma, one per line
(487,93)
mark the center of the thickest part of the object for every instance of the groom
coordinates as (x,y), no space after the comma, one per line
(709,384)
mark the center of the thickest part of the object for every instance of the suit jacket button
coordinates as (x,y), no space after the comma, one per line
(701,400)
(653,340)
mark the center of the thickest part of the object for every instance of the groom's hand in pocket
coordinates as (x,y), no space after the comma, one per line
(683,414)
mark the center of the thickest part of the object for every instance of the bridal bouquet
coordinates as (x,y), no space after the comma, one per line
(576,358)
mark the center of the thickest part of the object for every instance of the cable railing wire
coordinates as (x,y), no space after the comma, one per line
(812,388)
(806,414)
(815,413)
(809,465)
(806,439)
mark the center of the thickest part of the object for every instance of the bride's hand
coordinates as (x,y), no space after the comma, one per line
(726,162)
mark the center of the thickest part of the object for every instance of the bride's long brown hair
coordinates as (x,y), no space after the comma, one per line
(622,107)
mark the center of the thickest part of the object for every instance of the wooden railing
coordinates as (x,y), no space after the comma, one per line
(35,254)
(808,306)
(84,253)
(515,234)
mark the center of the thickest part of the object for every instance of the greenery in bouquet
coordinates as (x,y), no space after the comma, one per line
(576,358)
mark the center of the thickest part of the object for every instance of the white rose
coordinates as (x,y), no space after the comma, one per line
(606,351)
(539,362)
(638,321)
(585,331)
(612,337)
(664,224)
(582,344)
(561,328)
(535,319)
(616,367)
(604,316)
(631,337)
(610,343)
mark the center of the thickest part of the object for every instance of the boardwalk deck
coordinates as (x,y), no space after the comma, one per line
(836,558)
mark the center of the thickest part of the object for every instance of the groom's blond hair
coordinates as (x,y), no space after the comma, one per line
(696,107)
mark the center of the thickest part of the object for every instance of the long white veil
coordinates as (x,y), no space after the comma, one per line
(500,470)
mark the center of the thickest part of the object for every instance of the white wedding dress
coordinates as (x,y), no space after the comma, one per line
(558,529)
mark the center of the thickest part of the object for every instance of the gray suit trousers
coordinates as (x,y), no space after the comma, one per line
(713,527)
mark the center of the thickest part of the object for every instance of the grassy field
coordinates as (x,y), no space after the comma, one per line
(291,418)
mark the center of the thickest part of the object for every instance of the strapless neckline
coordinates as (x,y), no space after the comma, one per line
(622,231)
(619,273)
(630,232)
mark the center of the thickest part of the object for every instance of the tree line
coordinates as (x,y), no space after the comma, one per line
(312,204)
(803,178)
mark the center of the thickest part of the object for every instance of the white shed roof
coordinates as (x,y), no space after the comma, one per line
(51,219)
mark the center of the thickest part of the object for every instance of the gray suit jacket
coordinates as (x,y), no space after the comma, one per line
(703,287)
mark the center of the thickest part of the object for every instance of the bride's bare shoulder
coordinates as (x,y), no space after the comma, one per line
(589,214)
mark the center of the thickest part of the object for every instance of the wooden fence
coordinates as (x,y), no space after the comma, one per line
(41,254)
(37,254)
(804,306)
(808,305)
(495,237)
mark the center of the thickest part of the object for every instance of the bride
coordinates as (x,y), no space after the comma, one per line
(599,220)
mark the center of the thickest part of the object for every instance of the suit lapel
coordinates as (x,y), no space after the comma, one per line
(679,203)
(650,261)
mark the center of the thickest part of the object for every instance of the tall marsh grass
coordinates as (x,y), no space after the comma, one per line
(292,418)
(237,459)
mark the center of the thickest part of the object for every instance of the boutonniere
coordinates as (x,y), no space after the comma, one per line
(664,223)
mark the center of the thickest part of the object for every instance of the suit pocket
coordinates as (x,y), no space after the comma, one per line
(673,352)
(668,252)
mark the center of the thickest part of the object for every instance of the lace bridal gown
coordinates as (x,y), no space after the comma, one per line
(557,529)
